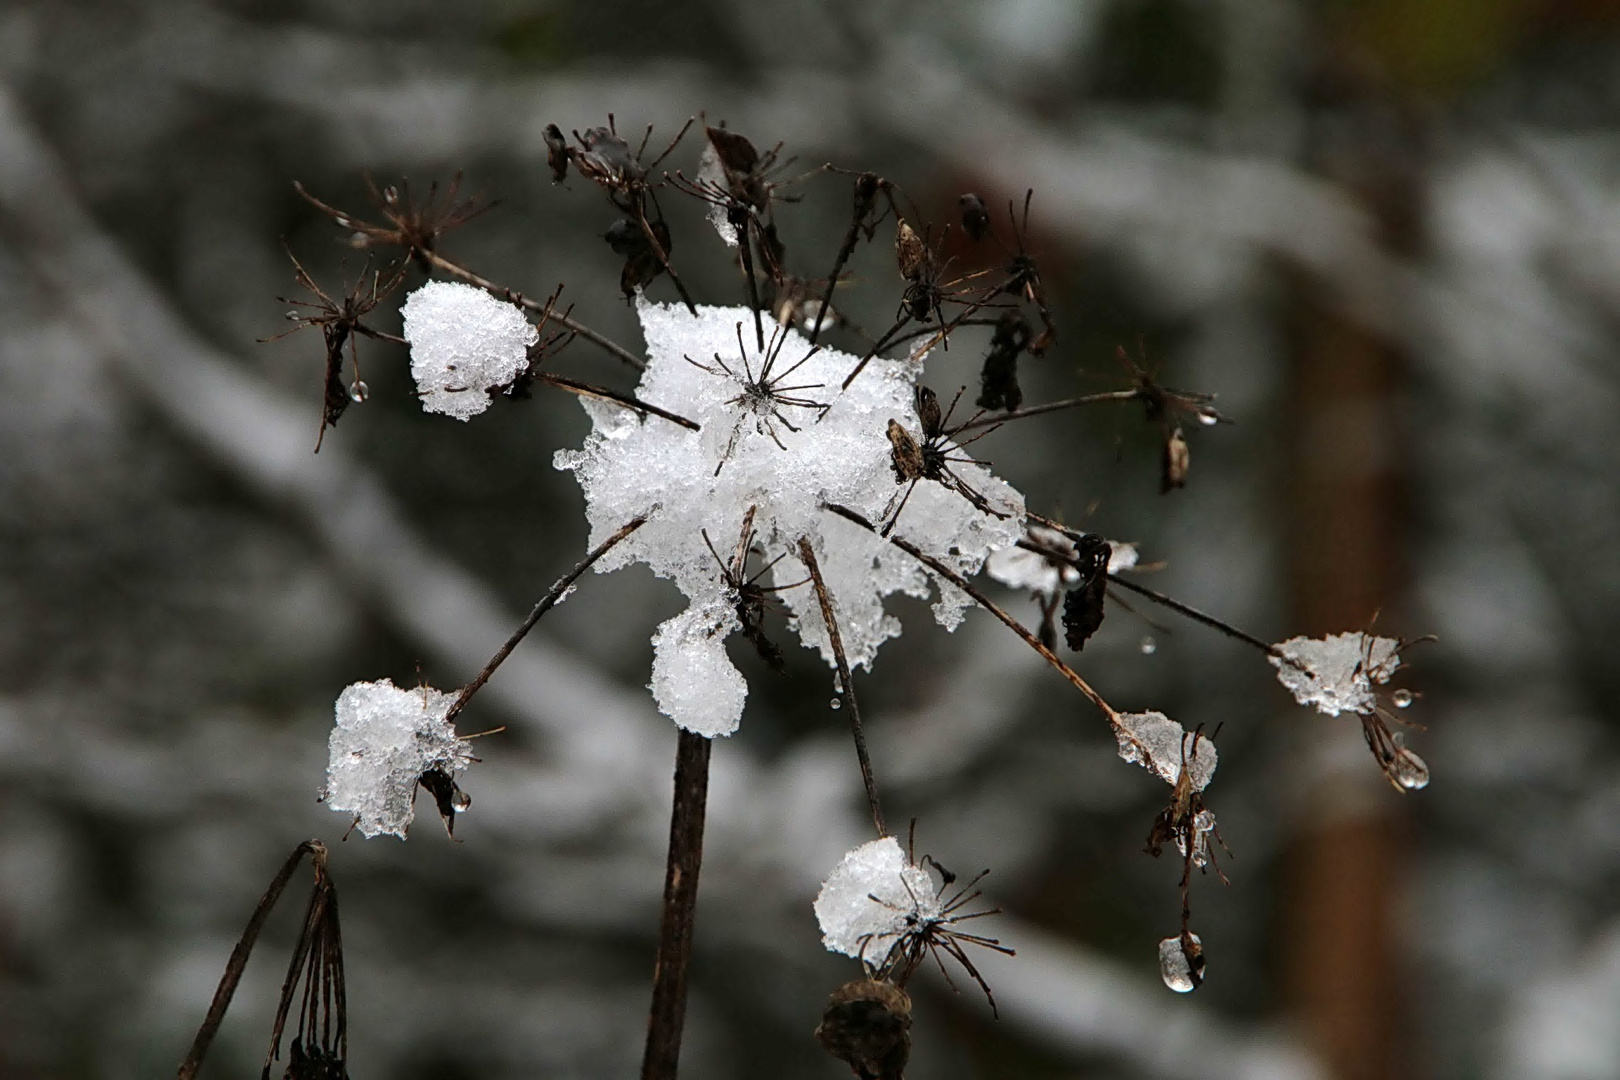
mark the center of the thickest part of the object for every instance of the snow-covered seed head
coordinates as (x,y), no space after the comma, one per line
(789,454)
(1342,673)
(388,739)
(879,906)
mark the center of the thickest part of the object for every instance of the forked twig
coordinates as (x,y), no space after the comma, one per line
(239,957)
(807,555)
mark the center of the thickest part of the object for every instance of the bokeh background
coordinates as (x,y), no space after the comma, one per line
(1385,232)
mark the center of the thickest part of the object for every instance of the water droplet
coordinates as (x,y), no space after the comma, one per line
(1180,974)
(1408,771)
(836,703)
(1403,698)
(292,316)
(460,801)
(1148,646)
(390,195)
(1208,419)
(358,391)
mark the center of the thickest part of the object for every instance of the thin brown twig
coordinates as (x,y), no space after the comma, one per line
(1157,597)
(807,555)
(661,1058)
(629,401)
(547,602)
(1053,406)
(239,957)
(989,605)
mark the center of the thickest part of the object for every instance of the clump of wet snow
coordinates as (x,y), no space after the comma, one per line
(1020,568)
(787,454)
(1336,674)
(864,905)
(464,344)
(1157,743)
(385,738)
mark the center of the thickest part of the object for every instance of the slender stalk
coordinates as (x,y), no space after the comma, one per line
(1197,616)
(807,555)
(661,1058)
(989,605)
(1157,597)
(1053,406)
(547,602)
(239,957)
(629,401)
(515,297)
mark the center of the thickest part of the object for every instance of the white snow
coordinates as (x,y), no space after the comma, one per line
(464,343)
(864,903)
(788,460)
(1156,742)
(386,737)
(1336,674)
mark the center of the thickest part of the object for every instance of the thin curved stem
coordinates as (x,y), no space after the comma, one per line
(807,555)
(1053,406)
(547,602)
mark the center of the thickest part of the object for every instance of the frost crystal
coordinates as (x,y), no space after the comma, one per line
(464,343)
(788,454)
(1336,674)
(864,904)
(1157,743)
(386,738)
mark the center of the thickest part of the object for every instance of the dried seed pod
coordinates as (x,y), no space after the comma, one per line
(910,253)
(998,381)
(556,153)
(906,457)
(975,216)
(867,1025)
(1176,461)
(1083,606)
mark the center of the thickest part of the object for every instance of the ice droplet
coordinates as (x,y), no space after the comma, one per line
(1178,974)
(836,703)
(359,391)
(460,801)
(292,316)
(1403,698)
(1149,646)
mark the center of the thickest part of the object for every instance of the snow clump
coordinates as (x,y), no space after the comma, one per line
(1020,568)
(778,435)
(870,899)
(464,344)
(1157,743)
(386,738)
(1336,674)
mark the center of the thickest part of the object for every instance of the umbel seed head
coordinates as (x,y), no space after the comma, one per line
(867,1024)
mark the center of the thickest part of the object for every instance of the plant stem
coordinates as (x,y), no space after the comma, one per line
(239,957)
(661,1058)
(1052,406)
(547,602)
(989,605)
(807,555)
(629,401)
